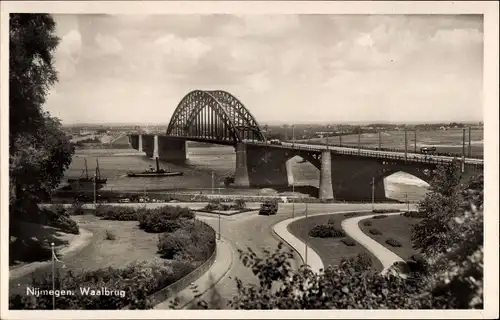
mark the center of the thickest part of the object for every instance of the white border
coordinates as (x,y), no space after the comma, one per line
(491,103)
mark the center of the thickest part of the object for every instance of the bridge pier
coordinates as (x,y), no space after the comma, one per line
(155,147)
(171,149)
(148,144)
(289,172)
(140,143)
(325,179)
(241,178)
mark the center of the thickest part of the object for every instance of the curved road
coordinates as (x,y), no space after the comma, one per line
(254,231)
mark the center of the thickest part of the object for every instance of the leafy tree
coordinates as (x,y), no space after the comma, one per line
(441,204)
(39,151)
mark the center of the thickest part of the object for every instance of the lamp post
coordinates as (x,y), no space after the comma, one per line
(470,147)
(373,193)
(213,183)
(406,144)
(53,277)
(306,240)
(95,191)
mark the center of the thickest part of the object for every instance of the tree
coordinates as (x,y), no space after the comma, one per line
(40,151)
(441,204)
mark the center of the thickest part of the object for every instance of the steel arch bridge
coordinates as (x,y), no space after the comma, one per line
(214,116)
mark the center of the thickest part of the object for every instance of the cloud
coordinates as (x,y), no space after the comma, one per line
(348,67)
(68,54)
(108,44)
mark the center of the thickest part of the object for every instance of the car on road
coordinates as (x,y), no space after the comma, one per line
(269,207)
(428,150)
(275,142)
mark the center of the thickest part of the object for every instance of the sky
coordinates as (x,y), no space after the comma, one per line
(283,68)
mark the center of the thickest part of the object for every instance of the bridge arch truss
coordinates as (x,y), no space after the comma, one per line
(214,116)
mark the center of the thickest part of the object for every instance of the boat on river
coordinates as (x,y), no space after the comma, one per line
(86,179)
(159,172)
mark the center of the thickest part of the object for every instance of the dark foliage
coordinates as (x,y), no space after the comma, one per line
(326,231)
(385,210)
(348,242)
(393,242)
(380,216)
(375,232)
(367,223)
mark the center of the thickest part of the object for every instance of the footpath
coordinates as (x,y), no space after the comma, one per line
(222,264)
(351,227)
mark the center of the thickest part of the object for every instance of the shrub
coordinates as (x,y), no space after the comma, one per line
(367,223)
(375,232)
(351,214)
(119,213)
(326,231)
(418,264)
(393,242)
(331,221)
(164,219)
(402,267)
(59,218)
(414,214)
(190,242)
(110,235)
(349,242)
(363,261)
(134,283)
(76,209)
(385,210)
(380,216)
(239,204)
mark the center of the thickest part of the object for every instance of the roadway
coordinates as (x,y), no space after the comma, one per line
(250,230)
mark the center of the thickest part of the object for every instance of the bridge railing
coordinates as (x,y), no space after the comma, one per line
(444,154)
(362,152)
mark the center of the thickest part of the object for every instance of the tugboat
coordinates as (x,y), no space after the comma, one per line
(98,178)
(155,173)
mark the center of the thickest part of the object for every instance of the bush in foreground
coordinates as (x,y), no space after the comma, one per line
(194,241)
(133,284)
(164,219)
(326,231)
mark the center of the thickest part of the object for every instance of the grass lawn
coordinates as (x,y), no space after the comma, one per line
(396,227)
(330,250)
(131,244)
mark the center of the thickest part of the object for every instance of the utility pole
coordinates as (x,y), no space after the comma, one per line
(373,193)
(415,141)
(219,227)
(463,150)
(470,146)
(359,141)
(406,144)
(95,191)
(213,182)
(306,239)
(407,203)
(379,140)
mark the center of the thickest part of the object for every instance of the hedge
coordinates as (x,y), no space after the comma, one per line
(375,232)
(393,242)
(414,214)
(326,231)
(349,242)
(367,223)
(385,210)
(380,216)
(351,214)
(163,219)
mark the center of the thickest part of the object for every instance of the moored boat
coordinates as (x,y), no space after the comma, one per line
(159,172)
